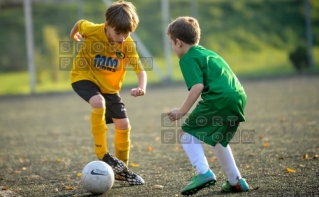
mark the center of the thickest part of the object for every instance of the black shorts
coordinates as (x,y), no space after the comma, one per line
(115,108)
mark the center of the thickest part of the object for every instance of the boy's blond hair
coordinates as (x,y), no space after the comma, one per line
(122,16)
(184,28)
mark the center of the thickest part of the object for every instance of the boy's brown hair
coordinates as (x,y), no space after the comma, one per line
(184,28)
(122,16)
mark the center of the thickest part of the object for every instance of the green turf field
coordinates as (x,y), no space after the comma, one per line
(45,141)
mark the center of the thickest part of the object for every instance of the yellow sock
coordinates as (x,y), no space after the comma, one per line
(99,129)
(122,144)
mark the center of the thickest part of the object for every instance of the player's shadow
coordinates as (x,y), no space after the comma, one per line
(215,193)
(115,188)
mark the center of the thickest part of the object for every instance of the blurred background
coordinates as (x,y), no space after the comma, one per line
(258,38)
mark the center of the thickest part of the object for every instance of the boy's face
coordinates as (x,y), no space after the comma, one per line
(176,46)
(114,36)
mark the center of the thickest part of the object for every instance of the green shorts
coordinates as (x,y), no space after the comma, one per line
(216,120)
(214,134)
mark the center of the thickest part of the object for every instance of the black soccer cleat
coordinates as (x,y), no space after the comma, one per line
(116,164)
(130,177)
(121,172)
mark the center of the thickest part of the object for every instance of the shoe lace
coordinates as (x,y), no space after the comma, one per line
(194,177)
(111,159)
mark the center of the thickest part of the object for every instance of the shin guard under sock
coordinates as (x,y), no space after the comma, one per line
(99,129)
(122,144)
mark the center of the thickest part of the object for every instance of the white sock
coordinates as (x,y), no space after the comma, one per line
(227,162)
(195,152)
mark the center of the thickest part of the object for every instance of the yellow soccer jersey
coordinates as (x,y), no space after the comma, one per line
(101,62)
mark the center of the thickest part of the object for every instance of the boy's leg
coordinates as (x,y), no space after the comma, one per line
(122,144)
(99,120)
(99,130)
(122,150)
(98,124)
(90,92)
(227,162)
(195,152)
(103,106)
(122,140)
(116,113)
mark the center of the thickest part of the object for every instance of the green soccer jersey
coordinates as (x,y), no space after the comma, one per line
(223,97)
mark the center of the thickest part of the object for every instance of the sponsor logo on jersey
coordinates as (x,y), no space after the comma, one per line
(120,54)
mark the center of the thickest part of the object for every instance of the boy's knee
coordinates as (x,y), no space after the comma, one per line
(97,101)
(122,124)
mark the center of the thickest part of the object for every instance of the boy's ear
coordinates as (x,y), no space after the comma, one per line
(178,42)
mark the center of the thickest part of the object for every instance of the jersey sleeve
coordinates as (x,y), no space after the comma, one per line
(191,71)
(133,59)
(84,27)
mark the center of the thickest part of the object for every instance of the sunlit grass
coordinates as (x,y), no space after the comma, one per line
(248,64)
(14,83)
(274,62)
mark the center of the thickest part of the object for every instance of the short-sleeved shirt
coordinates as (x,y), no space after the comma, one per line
(102,62)
(217,116)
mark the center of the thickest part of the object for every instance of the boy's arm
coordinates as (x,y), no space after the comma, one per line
(74,34)
(142,79)
(193,95)
(141,89)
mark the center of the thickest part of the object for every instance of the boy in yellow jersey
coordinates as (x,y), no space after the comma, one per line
(98,71)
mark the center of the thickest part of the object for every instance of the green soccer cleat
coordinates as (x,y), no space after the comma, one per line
(199,182)
(241,186)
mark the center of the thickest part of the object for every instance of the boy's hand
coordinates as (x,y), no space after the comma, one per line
(175,114)
(77,37)
(137,92)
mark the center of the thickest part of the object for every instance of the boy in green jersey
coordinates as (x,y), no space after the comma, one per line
(217,115)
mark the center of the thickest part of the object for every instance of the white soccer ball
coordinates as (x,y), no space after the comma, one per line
(97,177)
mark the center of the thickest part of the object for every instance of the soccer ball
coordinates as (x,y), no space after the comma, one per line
(97,177)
